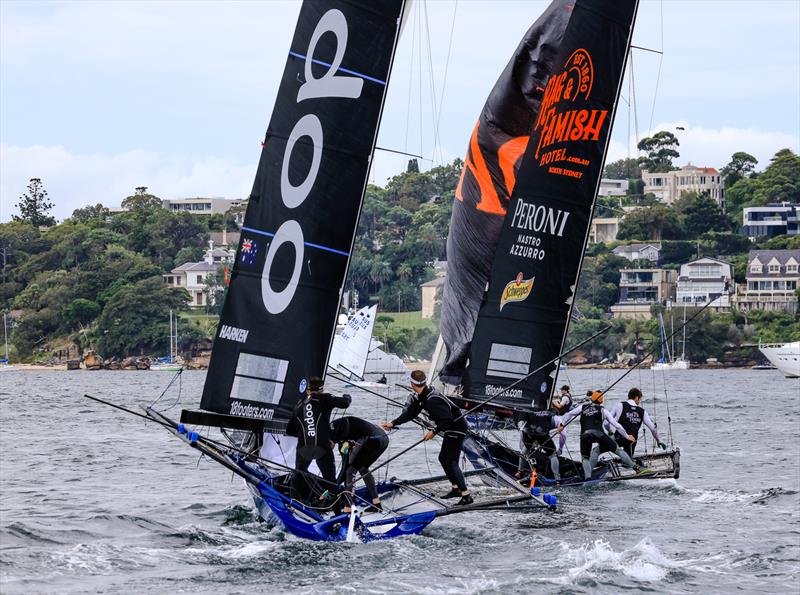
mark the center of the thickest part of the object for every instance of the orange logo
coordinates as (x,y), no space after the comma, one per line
(516,291)
(507,155)
(556,122)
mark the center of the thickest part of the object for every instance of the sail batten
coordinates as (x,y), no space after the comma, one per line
(280,313)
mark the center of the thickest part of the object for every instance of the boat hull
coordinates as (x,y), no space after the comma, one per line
(785,357)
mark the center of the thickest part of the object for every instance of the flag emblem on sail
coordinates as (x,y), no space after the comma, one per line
(249,252)
(516,291)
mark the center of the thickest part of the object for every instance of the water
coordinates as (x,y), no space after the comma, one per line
(94,500)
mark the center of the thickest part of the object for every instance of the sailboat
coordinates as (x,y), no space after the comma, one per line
(667,361)
(169,363)
(5,364)
(520,223)
(277,324)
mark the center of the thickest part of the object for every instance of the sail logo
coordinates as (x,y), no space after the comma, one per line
(231,333)
(249,252)
(532,217)
(329,85)
(558,121)
(308,417)
(516,291)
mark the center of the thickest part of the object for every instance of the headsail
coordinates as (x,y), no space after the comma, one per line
(280,312)
(523,318)
(351,346)
(488,178)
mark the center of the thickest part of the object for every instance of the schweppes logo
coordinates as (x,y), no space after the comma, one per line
(516,291)
(557,122)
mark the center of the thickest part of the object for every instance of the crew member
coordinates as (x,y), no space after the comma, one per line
(564,400)
(536,437)
(361,443)
(592,417)
(312,420)
(631,415)
(448,422)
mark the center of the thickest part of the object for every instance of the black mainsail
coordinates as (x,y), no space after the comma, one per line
(280,312)
(525,311)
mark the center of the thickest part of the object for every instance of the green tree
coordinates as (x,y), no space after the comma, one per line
(136,318)
(741,165)
(623,169)
(90,212)
(660,149)
(700,214)
(650,223)
(34,205)
(81,311)
(141,200)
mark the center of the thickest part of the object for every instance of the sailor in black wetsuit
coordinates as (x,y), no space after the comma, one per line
(312,420)
(593,415)
(631,415)
(362,444)
(536,437)
(564,402)
(449,423)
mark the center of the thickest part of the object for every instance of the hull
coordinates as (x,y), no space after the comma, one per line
(680,364)
(785,357)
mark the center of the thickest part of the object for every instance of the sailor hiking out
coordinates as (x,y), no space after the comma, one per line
(631,415)
(593,416)
(537,444)
(311,424)
(448,422)
(361,443)
(563,403)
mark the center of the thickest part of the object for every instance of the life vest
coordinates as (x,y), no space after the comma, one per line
(631,418)
(591,417)
(539,423)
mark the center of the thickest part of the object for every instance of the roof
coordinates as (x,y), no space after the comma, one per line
(636,247)
(195,267)
(764,256)
(434,282)
(707,259)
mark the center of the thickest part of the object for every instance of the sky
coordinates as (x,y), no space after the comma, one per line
(97,98)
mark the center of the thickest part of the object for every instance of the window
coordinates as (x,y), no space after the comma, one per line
(177,280)
(169,280)
(774,268)
(199,279)
(199,299)
(755,268)
(791,268)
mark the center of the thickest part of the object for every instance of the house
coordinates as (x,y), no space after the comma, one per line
(431,295)
(202,206)
(772,280)
(193,276)
(612,187)
(705,280)
(603,229)
(669,186)
(649,252)
(641,288)
(772,220)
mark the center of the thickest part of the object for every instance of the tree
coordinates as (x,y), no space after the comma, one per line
(623,169)
(660,149)
(650,223)
(34,206)
(700,214)
(141,201)
(741,165)
(413,166)
(90,212)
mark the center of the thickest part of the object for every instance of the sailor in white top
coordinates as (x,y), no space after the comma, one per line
(631,415)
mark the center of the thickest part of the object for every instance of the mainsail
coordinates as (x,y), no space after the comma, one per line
(488,179)
(351,346)
(282,304)
(524,315)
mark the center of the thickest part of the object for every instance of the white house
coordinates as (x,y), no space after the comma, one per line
(635,251)
(772,220)
(703,281)
(669,186)
(193,276)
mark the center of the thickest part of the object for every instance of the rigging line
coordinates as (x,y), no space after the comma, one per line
(419,58)
(669,419)
(638,47)
(215,443)
(432,85)
(444,79)
(633,100)
(410,76)
(403,153)
(167,387)
(660,62)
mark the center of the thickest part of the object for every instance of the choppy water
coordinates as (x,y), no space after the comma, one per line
(96,501)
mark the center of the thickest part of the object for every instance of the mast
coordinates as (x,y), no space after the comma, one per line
(280,312)
(524,314)
(5,334)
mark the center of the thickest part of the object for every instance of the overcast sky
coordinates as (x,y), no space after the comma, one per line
(97,98)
